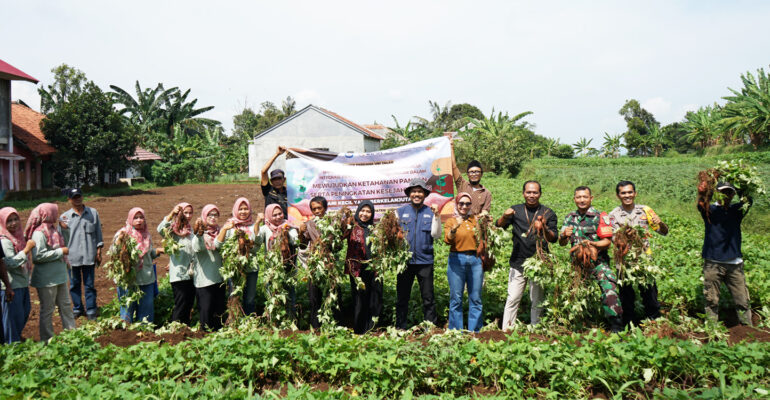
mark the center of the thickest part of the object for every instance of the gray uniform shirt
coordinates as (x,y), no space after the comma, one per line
(83,236)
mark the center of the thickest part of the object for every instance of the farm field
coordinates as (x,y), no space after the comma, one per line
(678,356)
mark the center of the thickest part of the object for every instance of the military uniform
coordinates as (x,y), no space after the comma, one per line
(595,226)
(639,216)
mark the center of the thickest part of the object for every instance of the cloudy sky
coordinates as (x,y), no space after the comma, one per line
(571,63)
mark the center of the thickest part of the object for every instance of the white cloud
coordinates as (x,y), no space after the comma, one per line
(658,106)
(26,92)
(308,96)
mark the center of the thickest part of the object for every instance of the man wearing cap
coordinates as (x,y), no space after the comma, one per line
(82,232)
(274,189)
(421,225)
(632,214)
(722,257)
(481,197)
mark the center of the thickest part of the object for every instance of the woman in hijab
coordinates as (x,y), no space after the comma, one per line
(49,275)
(18,262)
(275,224)
(136,227)
(242,220)
(209,284)
(367,301)
(180,268)
(464,265)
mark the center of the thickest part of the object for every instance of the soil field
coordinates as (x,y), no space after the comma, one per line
(156,203)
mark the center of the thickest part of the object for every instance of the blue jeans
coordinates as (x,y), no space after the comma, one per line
(87,272)
(15,314)
(250,293)
(465,269)
(144,308)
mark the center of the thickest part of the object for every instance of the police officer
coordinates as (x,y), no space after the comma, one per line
(588,225)
(421,225)
(632,214)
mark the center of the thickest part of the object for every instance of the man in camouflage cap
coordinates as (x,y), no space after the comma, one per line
(586,224)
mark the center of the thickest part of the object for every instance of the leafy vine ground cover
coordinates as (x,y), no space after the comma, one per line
(665,360)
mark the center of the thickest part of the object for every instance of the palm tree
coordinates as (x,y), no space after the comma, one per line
(702,126)
(748,110)
(550,145)
(583,146)
(146,110)
(612,145)
(656,139)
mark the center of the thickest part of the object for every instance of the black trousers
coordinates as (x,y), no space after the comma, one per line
(314,298)
(404,281)
(649,295)
(184,300)
(367,303)
(212,304)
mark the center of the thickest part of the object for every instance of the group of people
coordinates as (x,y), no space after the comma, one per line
(51,249)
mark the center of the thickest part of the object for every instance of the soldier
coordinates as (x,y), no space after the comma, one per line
(632,214)
(589,226)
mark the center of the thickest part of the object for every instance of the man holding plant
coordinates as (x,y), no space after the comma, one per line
(482,198)
(589,232)
(628,213)
(421,226)
(274,188)
(531,222)
(722,257)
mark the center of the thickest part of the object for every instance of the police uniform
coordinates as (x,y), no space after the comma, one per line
(595,226)
(639,216)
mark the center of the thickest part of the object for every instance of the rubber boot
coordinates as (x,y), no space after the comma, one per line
(616,324)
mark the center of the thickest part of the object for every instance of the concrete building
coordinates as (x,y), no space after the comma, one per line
(311,128)
(10,159)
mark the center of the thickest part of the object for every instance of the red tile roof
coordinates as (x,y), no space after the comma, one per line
(368,132)
(144,155)
(11,73)
(26,128)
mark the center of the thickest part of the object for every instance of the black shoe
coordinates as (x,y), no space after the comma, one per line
(77,314)
(91,317)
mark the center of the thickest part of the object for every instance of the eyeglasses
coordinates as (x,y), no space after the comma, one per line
(464,204)
(474,172)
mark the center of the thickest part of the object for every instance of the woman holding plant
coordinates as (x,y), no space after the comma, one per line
(18,263)
(465,266)
(278,232)
(50,273)
(209,284)
(365,289)
(133,243)
(242,221)
(310,236)
(177,243)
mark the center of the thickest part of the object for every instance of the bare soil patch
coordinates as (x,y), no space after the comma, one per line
(156,203)
(126,338)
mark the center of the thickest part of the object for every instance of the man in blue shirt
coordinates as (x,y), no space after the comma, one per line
(722,258)
(421,225)
(82,231)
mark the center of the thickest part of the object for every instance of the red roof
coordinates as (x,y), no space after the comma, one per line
(11,73)
(144,155)
(26,129)
(368,131)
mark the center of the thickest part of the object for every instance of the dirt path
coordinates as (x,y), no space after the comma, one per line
(156,203)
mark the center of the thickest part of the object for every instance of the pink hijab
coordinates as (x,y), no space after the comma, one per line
(242,224)
(142,237)
(43,218)
(211,230)
(274,228)
(183,230)
(457,200)
(17,238)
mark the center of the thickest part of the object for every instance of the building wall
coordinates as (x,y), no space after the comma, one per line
(309,130)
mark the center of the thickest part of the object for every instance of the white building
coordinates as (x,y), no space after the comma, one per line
(310,128)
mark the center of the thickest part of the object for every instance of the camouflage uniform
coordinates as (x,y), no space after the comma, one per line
(595,226)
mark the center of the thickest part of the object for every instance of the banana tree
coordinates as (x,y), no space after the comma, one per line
(583,146)
(612,145)
(748,110)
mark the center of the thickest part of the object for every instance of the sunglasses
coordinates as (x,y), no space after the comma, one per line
(464,204)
